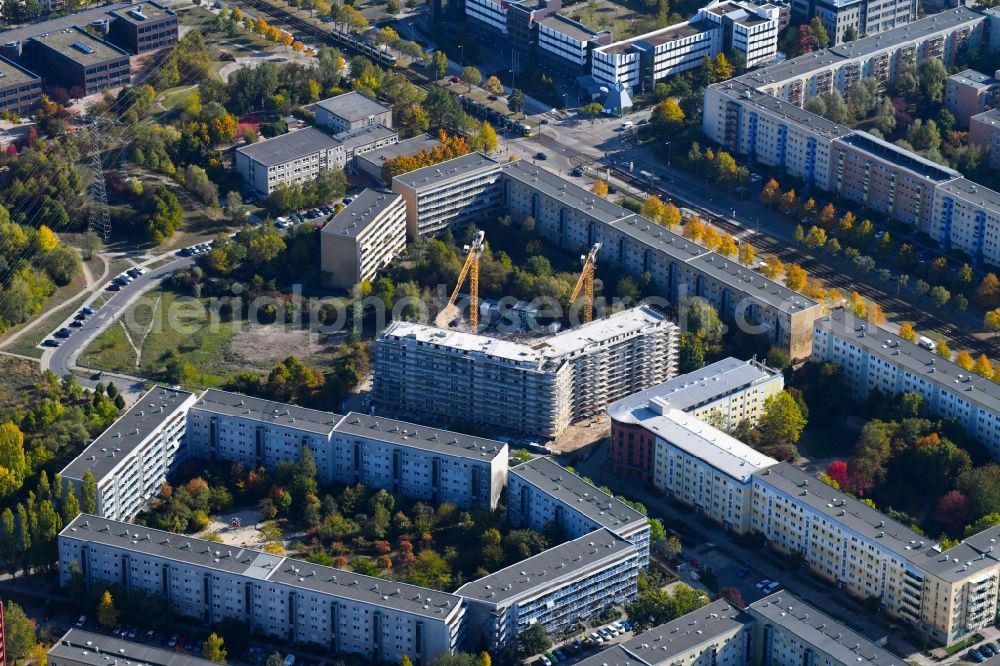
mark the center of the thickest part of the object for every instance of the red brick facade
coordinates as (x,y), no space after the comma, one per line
(632,450)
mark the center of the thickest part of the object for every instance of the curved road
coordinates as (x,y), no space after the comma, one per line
(62,359)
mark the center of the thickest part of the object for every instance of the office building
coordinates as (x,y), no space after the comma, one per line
(717,634)
(566,45)
(573,218)
(449,194)
(363,238)
(541,492)
(20,90)
(287,599)
(419,462)
(538,388)
(371,163)
(721,394)
(77,61)
(555,588)
(789,632)
(143,27)
(351,111)
(984,131)
(969,93)
(872,357)
(292,158)
(132,458)
(83,648)
(703,467)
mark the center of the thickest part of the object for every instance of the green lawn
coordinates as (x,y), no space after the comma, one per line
(962,644)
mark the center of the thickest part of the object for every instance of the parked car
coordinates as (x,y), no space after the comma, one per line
(544,661)
(132,632)
(576,172)
(347,201)
(454,79)
(541,157)
(76,323)
(559,653)
(150,636)
(994,646)
(114,287)
(625,125)
(986,650)
(82,620)
(697,564)
(755,177)
(87,311)
(761,584)
(50,343)
(62,333)
(134,272)
(772,587)
(974,656)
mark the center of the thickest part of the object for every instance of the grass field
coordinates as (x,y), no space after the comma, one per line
(58,297)
(16,376)
(27,344)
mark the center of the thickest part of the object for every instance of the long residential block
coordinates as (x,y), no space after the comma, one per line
(538,388)
(555,588)
(541,492)
(132,458)
(288,599)
(873,358)
(722,394)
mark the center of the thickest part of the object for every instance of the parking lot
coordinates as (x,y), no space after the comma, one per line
(587,642)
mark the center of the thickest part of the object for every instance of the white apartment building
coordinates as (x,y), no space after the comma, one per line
(288,599)
(450,194)
(419,462)
(789,632)
(541,492)
(351,111)
(133,457)
(753,28)
(295,157)
(966,217)
(363,238)
(536,388)
(984,131)
(555,588)
(872,357)
(842,540)
(704,467)
(717,634)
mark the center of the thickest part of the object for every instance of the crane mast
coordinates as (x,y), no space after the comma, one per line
(586,283)
(471,268)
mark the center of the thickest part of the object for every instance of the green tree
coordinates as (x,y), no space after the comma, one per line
(88,492)
(534,640)
(8,541)
(782,420)
(932,75)
(19,632)
(515,100)
(819,33)
(439,63)
(593,109)
(13,464)
(656,606)
(691,354)
(471,76)
(107,614)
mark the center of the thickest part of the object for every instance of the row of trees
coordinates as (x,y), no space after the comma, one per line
(452,146)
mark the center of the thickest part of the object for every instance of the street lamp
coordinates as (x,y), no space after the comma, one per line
(564,100)
(668,153)
(461,52)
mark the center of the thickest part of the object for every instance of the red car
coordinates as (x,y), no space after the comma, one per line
(454,79)
(697,564)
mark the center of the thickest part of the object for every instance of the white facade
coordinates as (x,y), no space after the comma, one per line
(131,460)
(363,238)
(295,157)
(292,600)
(351,111)
(966,217)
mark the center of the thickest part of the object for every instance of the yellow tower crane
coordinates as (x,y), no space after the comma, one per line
(471,268)
(586,283)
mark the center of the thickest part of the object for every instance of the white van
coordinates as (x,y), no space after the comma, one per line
(927,343)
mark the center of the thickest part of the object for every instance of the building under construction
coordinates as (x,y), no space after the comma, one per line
(447,376)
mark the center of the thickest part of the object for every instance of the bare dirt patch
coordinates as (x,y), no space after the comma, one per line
(268,345)
(246,535)
(582,434)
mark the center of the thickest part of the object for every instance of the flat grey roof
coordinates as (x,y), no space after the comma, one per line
(904,159)
(80,46)
(821,631)
(555,480)
(142,12)
(124,435)
(752,283)
(361,212)
(85,647)
(693,389)
(290,146)
(561,189)
(569,27)
(421,437)
(352,139)
(262,566)
(352,106)
(12,74)
(84,17)
(660,36)
(673,640)
(991,117)
(919,361)
(969,558)
(410,146)
(974,193)
(267,411)
(460,167)
(971,77)
(845,510)
(744,90)
(550,568)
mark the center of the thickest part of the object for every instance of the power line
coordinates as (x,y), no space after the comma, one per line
(100,217)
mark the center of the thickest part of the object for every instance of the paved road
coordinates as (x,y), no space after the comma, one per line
(62,360)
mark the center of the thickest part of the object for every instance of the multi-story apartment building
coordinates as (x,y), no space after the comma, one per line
(566,45)
(862,17)
(967,218)
(132,458)
(541,493)
(363,238)
(574,219)
(295,157)
(839,538)
(20,90)
(969,93)
(872,357)
(722,394)
(453,193)
(412,460)
(291,600)
(351,111)
(419,462)
(717,634)
(143,27)
(984,131)
(641,62)
(789,632)
(537,388)
(77,60)
(555,588)
(83,648)
(371,163)
(704,467)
